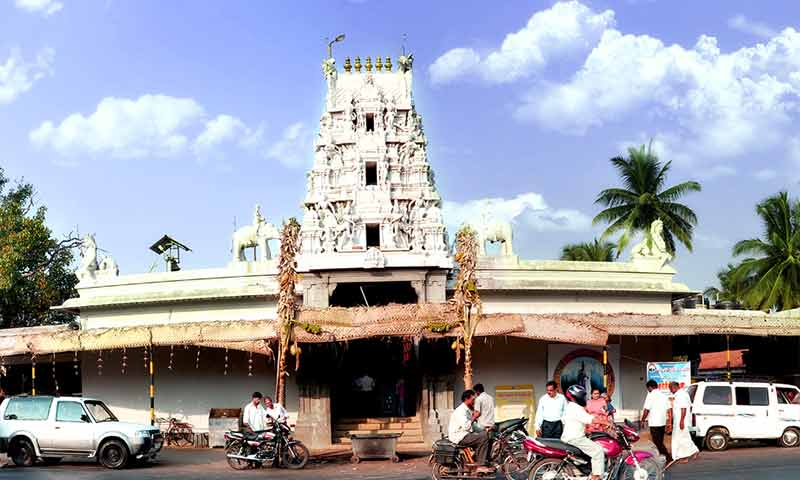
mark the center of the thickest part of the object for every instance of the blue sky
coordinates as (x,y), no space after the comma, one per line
(135,119)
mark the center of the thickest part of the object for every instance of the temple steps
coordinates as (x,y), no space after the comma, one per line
(410,427)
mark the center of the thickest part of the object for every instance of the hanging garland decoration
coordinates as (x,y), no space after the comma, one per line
(33,373)
(124,368)
(226,362)
(171,355)
(197,360)
(2,366)
(146,360)
(250,365)
(75,368)
(99,363)
(53,364)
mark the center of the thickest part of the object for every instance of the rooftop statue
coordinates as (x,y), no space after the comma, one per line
(494,230)
(256,235)
(91,267)
(653,245)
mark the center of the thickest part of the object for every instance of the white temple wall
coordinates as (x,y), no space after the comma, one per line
(516,361)
(186,393)
(576,302)
(197,311)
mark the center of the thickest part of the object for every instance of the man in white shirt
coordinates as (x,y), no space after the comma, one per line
(484,405)
(275,411)
(575,420)
(656,406)
(460,432)
(683,448)
(549,413)
(254,415)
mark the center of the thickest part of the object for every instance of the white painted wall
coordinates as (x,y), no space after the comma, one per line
(185,392)
(576,302)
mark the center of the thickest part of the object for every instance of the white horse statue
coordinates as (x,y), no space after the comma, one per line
(88,257)
(494,231)
(653,244)
(256,235)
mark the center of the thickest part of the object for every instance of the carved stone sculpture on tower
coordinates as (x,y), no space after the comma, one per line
(329,71)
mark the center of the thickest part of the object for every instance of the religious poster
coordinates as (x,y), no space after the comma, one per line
(665,372)
(514,401)
(568,365)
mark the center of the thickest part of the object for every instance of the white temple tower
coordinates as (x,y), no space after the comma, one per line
(371,201)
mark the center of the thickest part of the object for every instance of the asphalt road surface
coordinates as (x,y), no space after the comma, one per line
(755,463)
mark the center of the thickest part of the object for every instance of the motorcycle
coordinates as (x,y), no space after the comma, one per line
(274,447)
(508,454)
(565,462)
(508,450)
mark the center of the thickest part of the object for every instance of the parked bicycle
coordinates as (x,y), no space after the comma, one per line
(176,433)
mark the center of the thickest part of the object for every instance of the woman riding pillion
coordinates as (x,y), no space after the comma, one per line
(575,420)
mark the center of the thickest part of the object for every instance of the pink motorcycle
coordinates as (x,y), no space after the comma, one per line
(562,461)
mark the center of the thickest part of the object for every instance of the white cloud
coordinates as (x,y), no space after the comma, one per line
(45,7)
(721,105)
(526,209)
(17,75)
(294,147)
(751,27)
(716,171)
(226,129)
(566,28)
(766,174)
(150,126)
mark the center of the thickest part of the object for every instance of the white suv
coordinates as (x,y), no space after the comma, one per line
(728,411)
(49,428)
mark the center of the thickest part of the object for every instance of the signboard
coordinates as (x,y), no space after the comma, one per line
(665,372)
(514,401)
(570,364)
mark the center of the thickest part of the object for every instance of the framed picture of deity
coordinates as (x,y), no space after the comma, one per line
(583,366)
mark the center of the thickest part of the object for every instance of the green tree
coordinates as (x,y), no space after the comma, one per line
(594,251)
(729,288)
(643,199)
(770,275)
(35,271)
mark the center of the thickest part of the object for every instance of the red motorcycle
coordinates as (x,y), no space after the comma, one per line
(563,461)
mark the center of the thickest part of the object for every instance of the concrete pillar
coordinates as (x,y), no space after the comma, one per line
(314,416)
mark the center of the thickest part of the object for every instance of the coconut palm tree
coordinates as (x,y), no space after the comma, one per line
(465,297)
(594,251)
(287,309)
(729,289)
(771,274)
(643,199)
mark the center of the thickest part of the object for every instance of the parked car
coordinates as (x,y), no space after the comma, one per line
(725,412)
(48,428)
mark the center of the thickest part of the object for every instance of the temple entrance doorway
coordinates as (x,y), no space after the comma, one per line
(376,379)
(372,294)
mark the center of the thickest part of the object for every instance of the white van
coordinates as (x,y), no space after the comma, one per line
(729,411)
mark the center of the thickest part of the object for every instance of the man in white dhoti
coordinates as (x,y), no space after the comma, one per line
(683,447)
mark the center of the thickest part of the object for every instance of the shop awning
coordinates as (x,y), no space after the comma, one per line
(345,324)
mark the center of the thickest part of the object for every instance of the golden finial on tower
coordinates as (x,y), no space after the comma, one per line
(388,64)
(378,63)
(358,64)
(368,64)
(347,65)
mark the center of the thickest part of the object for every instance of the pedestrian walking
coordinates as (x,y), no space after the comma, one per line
(656,406)
(683,448)
(549,412)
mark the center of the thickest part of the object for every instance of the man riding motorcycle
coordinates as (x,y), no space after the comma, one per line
(575,420)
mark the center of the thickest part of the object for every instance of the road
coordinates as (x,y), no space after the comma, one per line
(762,463)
